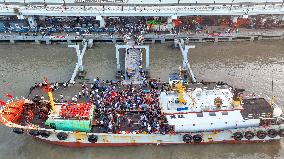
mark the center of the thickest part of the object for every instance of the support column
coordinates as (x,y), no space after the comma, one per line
(12,41)
(117,58)
(32,22)
(90,43)
(176,43)
(82,53)
(37,41)
(234,19)
(147,57)
(102,21)
(47,41)
(216,39)
(185,60)
(170,21)
(282,36)
(20,16)
(79,58)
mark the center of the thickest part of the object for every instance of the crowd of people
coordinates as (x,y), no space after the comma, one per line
(120,108)
(122,25)
(124,108)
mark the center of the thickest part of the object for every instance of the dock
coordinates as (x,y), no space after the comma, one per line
(149,38)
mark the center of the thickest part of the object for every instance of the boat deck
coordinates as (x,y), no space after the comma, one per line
(73,89)
(129,122)
(108,119)
(125,119)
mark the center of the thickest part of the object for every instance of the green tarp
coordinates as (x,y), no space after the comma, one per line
(154,22)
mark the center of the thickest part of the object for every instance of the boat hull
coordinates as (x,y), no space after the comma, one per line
(78,144)
(77,139)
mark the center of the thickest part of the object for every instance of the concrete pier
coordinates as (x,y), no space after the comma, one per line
(37,41)
(47,42)
(149,38)
(216,39)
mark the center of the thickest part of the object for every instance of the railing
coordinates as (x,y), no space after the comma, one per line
(198,2)
(106,37)
(55,10)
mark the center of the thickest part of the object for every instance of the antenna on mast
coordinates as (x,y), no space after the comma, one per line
(272,89)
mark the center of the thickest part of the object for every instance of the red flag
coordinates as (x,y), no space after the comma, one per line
(9,95)
(2,103)
(45,80)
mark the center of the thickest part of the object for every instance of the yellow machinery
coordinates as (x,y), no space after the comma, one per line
(49,93)
(51,100)
(179,71)
(272,100)
(180,90)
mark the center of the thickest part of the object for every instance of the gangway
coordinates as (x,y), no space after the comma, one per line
(133,65)
(133,72)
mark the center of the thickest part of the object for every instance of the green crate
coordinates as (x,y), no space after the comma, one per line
(58,123)
(69,124)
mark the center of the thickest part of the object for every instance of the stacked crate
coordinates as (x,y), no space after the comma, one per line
(72,117)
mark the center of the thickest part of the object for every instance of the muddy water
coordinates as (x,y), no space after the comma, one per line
(247,65)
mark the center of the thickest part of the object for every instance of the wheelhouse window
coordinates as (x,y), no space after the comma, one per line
(212,113)
(199,114)
(224,113)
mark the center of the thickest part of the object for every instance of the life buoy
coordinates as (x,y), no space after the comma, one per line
(34,132)
(187,138)
(238,136)
(272,133)
(62,136)
(249,135)
(261,134)
(18,130)
(281,132)
(197,138)
(93,138)
(44,133)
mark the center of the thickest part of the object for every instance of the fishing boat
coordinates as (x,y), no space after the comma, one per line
(176,112)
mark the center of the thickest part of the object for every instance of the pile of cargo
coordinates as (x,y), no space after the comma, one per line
(12,111)
(76,111)
(72,117)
